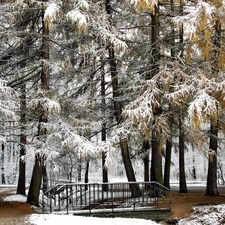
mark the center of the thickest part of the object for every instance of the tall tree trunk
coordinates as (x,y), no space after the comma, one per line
(45,179)
(155,48)
(79,170)
(117,106)
(135,190)
(35,184)
(146,147)
(86,174)
(211,186)
(156,160)
(40,158)
(103,133)
(167,166)
(21,187)
(182,176)
(156,164)
(104,169)
(3,164)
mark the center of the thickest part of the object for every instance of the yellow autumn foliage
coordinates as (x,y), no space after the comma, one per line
(146,4)
(196,120)
(216,3)
(204,32)
(221,59)
(146,132)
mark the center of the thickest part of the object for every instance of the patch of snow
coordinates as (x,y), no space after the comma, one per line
(48,219)
(15,198)
(206,215)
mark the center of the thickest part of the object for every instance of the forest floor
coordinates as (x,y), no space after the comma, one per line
(12,212)
(181,206)
(182,203)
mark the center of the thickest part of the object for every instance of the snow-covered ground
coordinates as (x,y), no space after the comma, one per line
(207,215)
(44,219)
(52,219)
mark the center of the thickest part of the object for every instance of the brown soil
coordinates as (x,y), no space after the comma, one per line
(13,209)
(182,204)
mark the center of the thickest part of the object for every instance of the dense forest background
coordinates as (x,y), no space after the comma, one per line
(132,89)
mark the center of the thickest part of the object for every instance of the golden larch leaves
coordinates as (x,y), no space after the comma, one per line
(146,4)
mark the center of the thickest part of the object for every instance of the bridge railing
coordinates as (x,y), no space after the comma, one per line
(96,197)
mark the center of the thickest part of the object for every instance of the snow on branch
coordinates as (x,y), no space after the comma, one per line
(121,133)
(78,144)
(2,139)
(82,4)
(180,93)
(51,13)
(141,110)
(78,19)
(110,36)
(8,101)
(202,108)
(6,109)
(161,127)
(220,89)
(45,105)
(199,139)
(108,149)
(202,18)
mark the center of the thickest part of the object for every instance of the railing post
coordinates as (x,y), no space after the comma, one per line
(81,200)
(59,201)
(43,202)
(50,205)
(156,199)
(67,200)
(90,199)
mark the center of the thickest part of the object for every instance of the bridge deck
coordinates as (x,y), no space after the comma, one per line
(130,199)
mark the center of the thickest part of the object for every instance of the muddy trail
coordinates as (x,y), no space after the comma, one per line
(13,213)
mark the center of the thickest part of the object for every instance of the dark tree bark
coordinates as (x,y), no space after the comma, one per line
(155,49)
(118,110)
(86,174)
(3,164)
(21,187)
(79,170)
(45,179)
(182,176)
(156,162)
(36,179)
(146,147)
(35,184)
(135,190)
(166,182)
(104,170)
(211,186)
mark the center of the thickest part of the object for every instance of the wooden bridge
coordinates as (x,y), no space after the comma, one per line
(149,200)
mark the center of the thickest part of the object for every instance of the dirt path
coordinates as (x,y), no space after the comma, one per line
(182,203)
(13,213)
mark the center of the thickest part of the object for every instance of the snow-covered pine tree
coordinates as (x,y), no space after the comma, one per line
(203,27)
